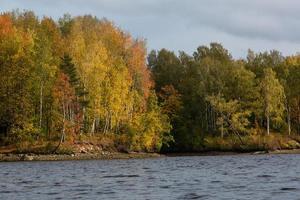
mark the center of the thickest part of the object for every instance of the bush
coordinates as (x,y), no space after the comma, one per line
(26,133)
(251,143)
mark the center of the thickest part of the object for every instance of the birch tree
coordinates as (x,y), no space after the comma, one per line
(273,96)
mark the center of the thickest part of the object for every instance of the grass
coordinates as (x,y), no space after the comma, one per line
(121,143)
(252,143)
(87,143)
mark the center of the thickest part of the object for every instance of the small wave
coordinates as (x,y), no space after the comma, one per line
(215,181)
(151,171)
(105,192)
(193,196)
(52,193)
(81,190)
(57,184)
(165,186)
(84,186)
(265,176)
(237,186)
(32,186)
(122,176)
(295,179)
(82,193)
(5,192)
(151,178)
(288,189)
(25,182)
(145,168)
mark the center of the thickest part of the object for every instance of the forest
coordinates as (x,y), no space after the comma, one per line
(84,79)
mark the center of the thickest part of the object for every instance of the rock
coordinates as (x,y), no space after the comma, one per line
(90,148)
(293,144)
(26,157)
(260,152)
(83,150)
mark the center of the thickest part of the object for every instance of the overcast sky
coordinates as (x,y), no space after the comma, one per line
(184,25)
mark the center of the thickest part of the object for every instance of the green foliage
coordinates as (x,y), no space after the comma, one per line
(220,96)
(273,97)
(231,118)
(251,143)
(26,133)
(151,129)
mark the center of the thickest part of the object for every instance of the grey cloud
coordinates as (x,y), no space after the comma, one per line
(269,19)
(178,24)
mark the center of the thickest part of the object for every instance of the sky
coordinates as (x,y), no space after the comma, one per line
(239,25)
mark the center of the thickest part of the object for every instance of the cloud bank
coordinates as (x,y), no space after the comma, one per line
(183,25)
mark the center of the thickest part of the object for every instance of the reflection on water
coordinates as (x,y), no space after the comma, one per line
(210,177)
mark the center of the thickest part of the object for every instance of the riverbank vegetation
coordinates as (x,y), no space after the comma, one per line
(81,80)
(210,96)
(73,79)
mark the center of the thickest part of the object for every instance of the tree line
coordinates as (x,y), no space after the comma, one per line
(210,94)
(84,77)
(79,76)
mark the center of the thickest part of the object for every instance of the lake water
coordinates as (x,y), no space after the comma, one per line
(191,177)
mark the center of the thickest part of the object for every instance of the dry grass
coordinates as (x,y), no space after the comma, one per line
(250,143)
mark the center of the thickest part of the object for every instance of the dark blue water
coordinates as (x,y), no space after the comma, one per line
(210,177)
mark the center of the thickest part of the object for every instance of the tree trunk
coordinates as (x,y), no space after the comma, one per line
(289,120)
(84,112)
(206,118)
(268,125)
(106,124)
(214,121)
(223,118)
(222,131)
(298,112)
(62,136)
(93,127)
(64,124)
(41,105)
(298,123)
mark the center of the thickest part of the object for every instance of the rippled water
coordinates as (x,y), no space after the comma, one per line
(209,177)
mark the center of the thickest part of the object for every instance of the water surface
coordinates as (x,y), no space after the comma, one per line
(192,177)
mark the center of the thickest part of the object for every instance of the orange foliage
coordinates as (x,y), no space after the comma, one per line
(53,34)
(138,67)
(6,27)
(63,92)
(64,95)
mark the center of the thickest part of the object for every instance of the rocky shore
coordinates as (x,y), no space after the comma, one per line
(11,157)
(78,156)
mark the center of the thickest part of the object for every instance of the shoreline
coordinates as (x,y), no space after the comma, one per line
(231,153)
(11,157)
(79,156)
